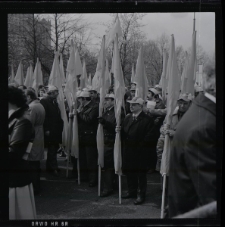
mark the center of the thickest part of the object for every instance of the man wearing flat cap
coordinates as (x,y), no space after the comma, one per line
(136,133)
(53,128)
(87,114)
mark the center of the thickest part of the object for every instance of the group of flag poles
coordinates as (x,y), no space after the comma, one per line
(172,85)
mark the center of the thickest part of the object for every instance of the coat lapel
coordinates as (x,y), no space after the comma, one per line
(131,123)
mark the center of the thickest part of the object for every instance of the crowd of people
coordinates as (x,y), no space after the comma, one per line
(35,122)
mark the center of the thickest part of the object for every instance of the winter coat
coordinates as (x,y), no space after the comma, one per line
(37,117)
(87,119)
(20,134)
(193,165)
(137,142)
(53,121)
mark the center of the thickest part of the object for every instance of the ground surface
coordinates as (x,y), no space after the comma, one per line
(63,198)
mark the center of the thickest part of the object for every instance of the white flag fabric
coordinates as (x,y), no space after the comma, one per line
(38,80)
(83,78)
(12,76)
(29,77)
(192,67)
(100,133)
(119,90)
(173,95)
(62,73)
(184,75)
(115,29)
(140,78)
(55,79)
(132,75)
(19,78)
(89,80)
(96,84)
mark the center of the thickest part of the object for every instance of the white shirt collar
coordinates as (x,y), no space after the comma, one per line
(211,97)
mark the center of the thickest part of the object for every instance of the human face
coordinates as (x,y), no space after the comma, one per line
(93,95)
(54,94)
(109,102)
(132,93)
(41,93)
(135,107)
(183,106)
(150,96)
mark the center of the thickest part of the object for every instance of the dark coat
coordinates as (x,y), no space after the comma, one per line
(20,134)
(109,125)
(158,121)
(88,119)
(53,121)
(192,175)
(136,142)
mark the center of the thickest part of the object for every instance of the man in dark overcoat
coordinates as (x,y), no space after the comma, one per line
(53,128)
(108,121)
(136,133)
(87,114)
(193,154)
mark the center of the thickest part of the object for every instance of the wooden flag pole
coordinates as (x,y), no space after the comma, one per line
(69,144)
(99,180)
(164,177)
(119,188)
(78,170)
(163,196)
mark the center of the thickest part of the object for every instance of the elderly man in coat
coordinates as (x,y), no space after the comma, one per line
(136,133)
(193,154)
(53,128)
(87,114)
(37,117)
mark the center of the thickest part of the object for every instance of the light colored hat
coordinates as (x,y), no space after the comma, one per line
(85,89)
(78,94)
(52,88)
(186,97)
(91,89)
(158,87)
(84,94)
(153,90)
(110,96)
(133,82)
(198,89)
(133,89)
(137,100)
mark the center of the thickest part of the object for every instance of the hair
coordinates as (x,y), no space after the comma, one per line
(32,94)
(23,86)
(209,77)
(41,86)
(30,88)
(16,96)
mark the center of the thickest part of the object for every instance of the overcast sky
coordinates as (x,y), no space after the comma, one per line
(179,24)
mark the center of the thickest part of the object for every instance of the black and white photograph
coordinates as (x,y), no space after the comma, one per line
(112,116)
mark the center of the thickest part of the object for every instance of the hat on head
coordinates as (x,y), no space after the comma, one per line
(78,94)
(133,89)
(137,100)
(110,96)
(52,88)
(85,89)
(154,91)
(186,97)
(198,89)
(91,89)
(158,87)
(84,94)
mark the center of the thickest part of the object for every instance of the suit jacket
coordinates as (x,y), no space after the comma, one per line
(136,142)
(20,134)
(192,175)
(37,117)
(53,121)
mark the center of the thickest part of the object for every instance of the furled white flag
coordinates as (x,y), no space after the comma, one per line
(38,78)
(19,78)
(29,77)
(83,78)
(140,78)
(115,29)
(55,79)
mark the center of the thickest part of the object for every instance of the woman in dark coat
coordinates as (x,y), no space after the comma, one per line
(21,134)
